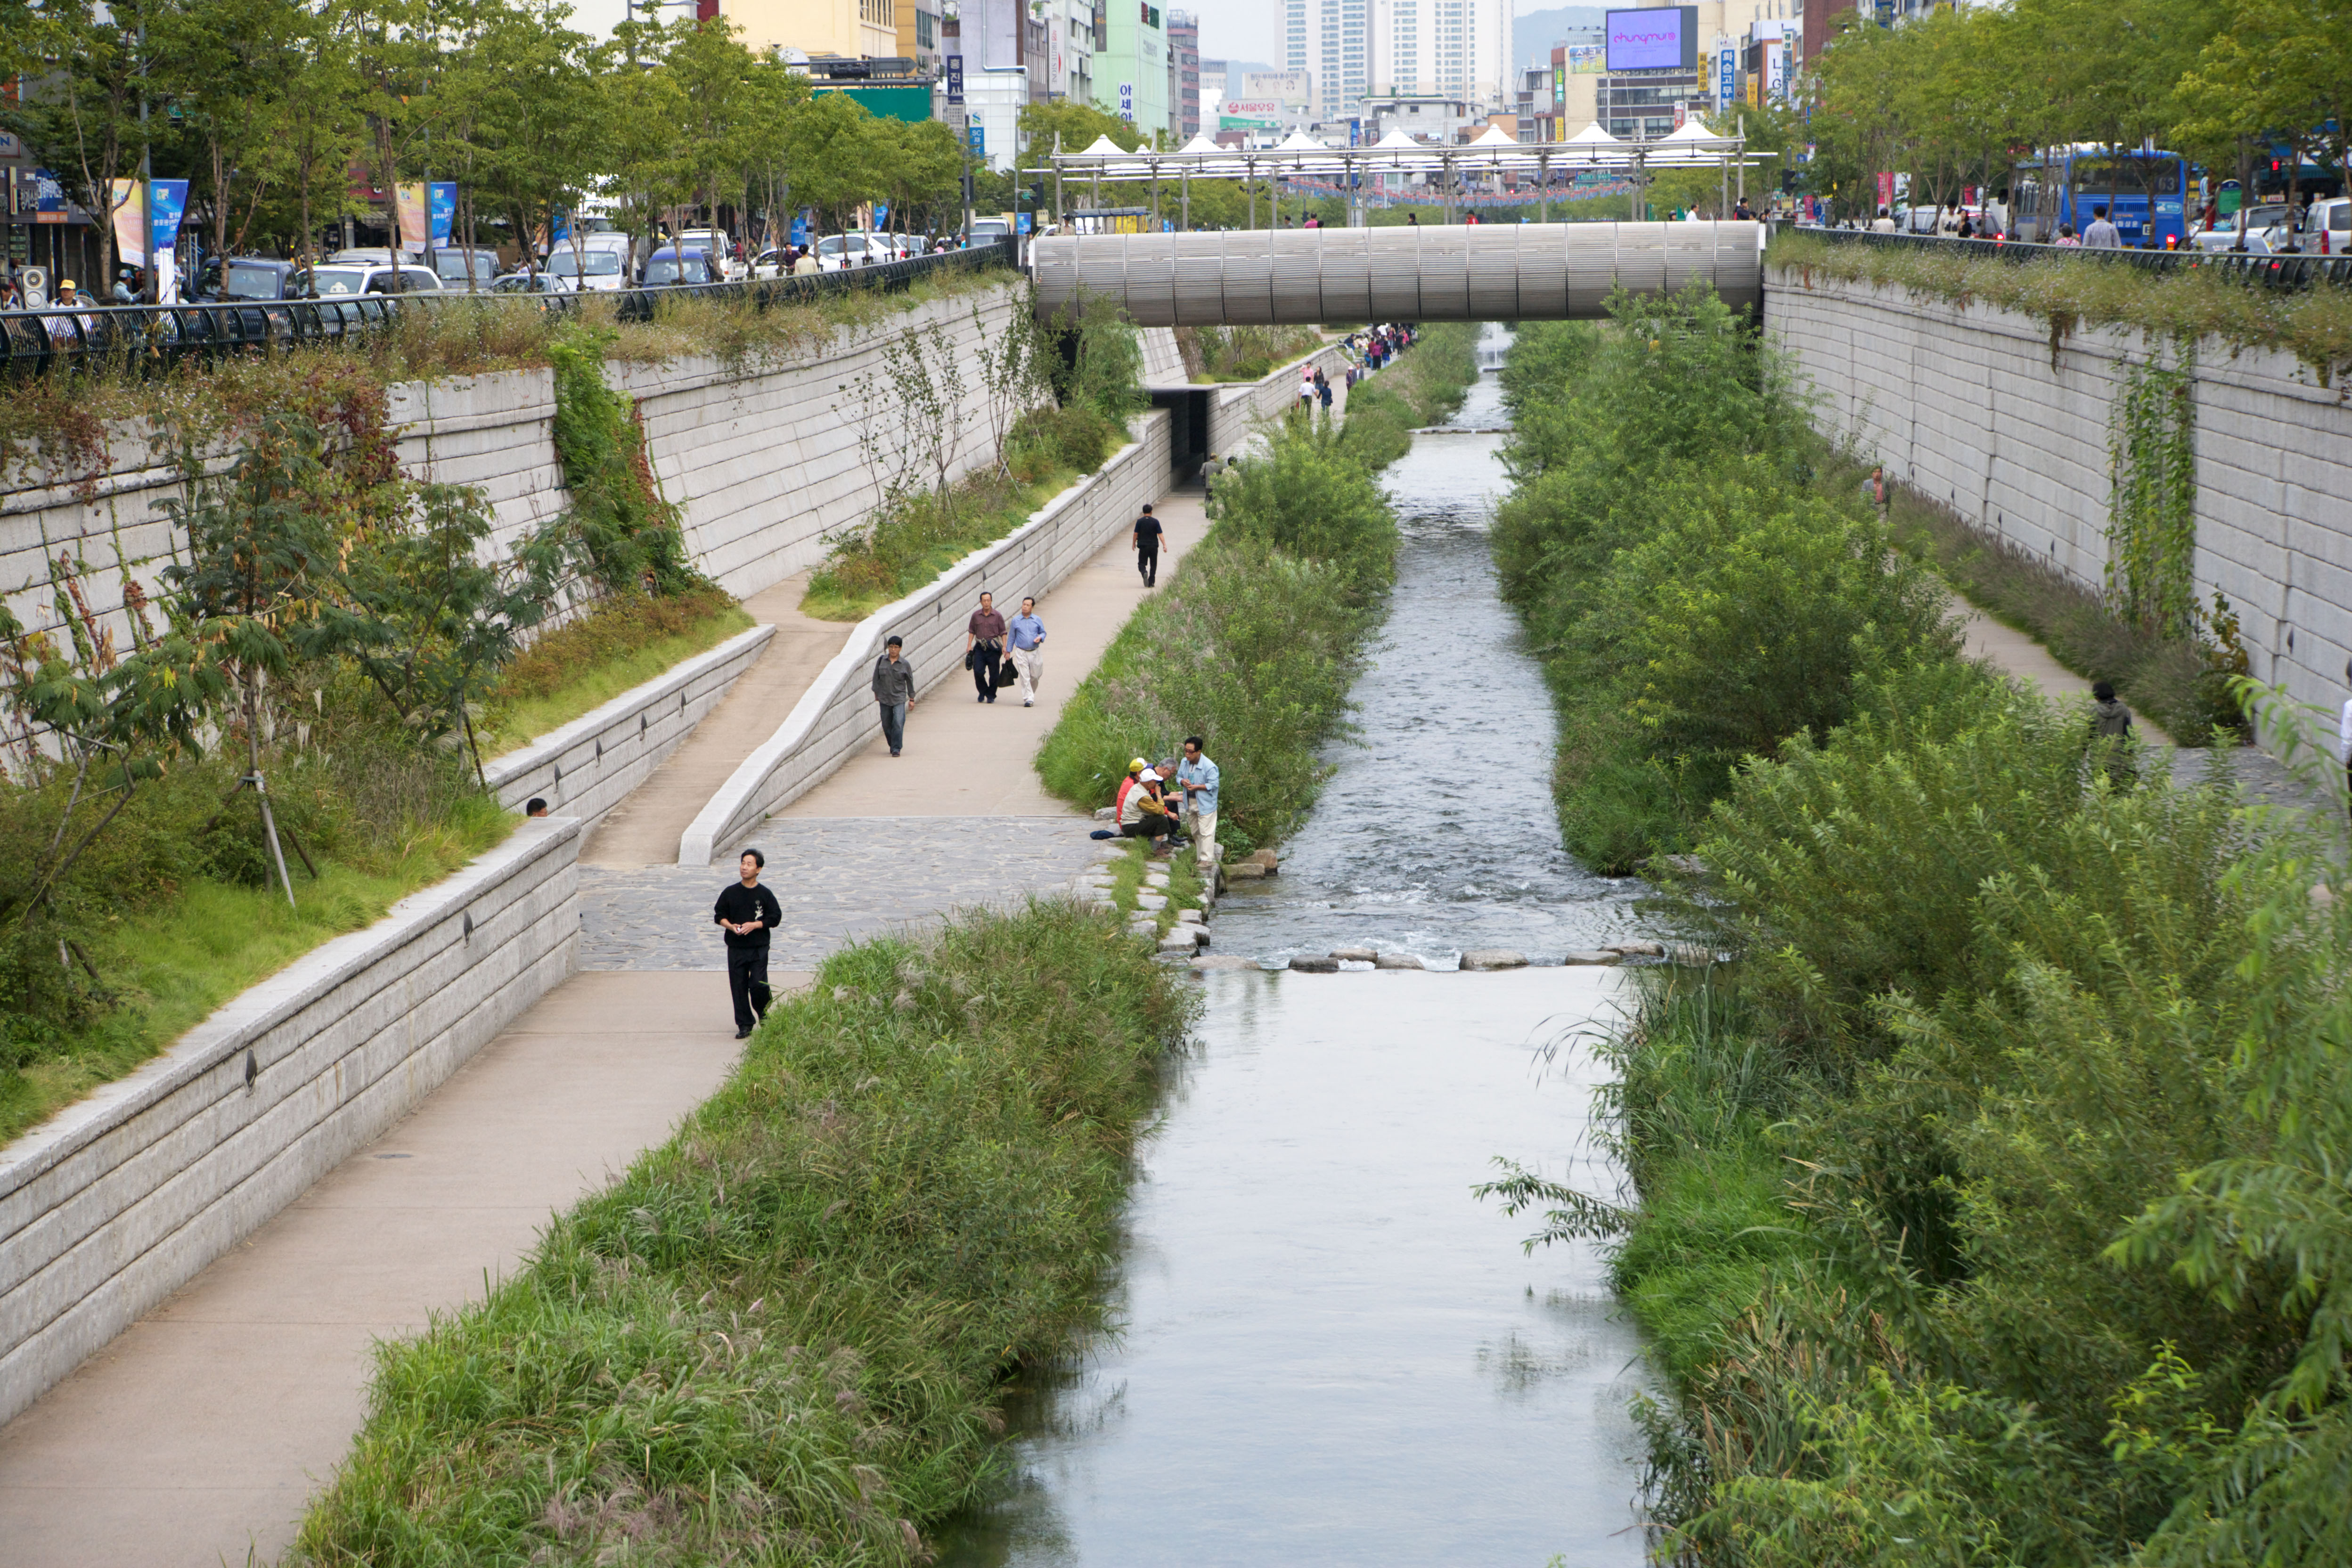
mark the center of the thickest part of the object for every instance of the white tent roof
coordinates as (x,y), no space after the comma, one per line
(1592,135)
(1104,144)
(1399,140)
(1495,136)
(1202,146)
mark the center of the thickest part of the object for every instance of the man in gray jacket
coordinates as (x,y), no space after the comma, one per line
(894,689)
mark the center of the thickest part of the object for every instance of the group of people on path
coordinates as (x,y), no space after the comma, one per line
(1376,346)
(998,652)
(1171,801)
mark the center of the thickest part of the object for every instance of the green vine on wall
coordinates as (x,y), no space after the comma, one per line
(2152,506)
(624,536)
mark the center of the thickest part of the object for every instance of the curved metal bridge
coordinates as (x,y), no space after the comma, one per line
(1476,272)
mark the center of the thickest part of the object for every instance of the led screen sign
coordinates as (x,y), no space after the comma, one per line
(1662,38)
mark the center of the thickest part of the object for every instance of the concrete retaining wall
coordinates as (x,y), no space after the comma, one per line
(1239,409)
(116,1202)
(1978,409)
(585,768)
(764,461)
(836,717)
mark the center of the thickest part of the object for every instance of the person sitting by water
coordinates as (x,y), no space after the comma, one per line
(1141,813)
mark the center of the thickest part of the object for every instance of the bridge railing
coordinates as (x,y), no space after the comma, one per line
(2290,273)
(142,339)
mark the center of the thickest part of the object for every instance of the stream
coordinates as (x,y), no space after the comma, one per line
(1326,1349)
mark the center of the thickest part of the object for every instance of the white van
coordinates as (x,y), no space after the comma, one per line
(597,262)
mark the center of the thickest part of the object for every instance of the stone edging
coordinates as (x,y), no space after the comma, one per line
(605,754)
(834,718)
(116,1202)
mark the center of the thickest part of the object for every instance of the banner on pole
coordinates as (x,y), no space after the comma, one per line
(127,199)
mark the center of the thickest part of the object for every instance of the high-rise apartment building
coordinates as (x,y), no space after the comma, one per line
(1450,48)
(1330,40)
(1184,71)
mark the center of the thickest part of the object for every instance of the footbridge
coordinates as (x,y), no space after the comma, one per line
(1472,272)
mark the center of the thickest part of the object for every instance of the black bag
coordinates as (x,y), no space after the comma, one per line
(1007,672)
(970,655)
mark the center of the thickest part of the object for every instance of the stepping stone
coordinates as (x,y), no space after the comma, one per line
(1354,954)
(1177,942)
(1305,964)
(1155,902)
(1398,960)
(1356,966)
(1691,954)
(1244,871)
(1596,955)
(1190,918)
(1224,961)
(1639,949)
(1494,958)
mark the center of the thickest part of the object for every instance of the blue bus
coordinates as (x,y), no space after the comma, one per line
(2146,194)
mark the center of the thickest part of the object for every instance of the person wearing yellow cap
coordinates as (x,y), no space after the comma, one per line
(1142,813)
(62,330)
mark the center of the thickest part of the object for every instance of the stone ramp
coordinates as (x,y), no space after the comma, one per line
(643,829)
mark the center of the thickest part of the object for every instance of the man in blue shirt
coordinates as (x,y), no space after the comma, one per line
(1028,637)
(1197,776)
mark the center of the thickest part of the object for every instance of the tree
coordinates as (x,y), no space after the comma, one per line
(87,113)
(2278,68)
(531,114)
(834,153)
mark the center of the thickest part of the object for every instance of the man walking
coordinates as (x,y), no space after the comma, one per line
(749,912)
(983,646)
(1197,775)
(894,689)
(1146,547)
(2102,235)
(1027,634)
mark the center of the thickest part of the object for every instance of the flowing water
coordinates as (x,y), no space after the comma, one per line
(1328,1352)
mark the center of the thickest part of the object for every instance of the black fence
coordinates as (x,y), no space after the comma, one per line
(2267,271)
(134,340)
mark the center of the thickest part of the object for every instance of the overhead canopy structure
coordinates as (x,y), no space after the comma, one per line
(1494,151)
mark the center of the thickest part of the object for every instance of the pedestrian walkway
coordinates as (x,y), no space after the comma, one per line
(969,758)
(643,829)
(2263,778)
(200,1433)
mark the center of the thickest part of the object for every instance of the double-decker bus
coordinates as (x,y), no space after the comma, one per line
(2146,194)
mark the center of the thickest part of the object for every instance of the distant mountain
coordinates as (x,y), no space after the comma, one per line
(1534,33)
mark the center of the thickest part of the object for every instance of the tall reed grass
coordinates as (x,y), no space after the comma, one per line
(780,1337)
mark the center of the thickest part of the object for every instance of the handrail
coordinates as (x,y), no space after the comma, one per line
(2268,271)
(135,339)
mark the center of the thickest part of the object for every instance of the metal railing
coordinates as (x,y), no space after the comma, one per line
(137,339)
(2289,272)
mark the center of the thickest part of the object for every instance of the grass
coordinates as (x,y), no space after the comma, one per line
(172,961)
(584,664)
(782,1337)
(1218,354)
(899,551)
(2313,324)
(1127,872)
(2180,684)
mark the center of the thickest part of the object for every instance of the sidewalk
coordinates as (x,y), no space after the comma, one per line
(202,1430)
(966,758)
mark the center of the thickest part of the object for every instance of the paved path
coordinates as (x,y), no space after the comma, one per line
(839,880)
(2261,776)
(643,829)
(968,758)
(200,1433)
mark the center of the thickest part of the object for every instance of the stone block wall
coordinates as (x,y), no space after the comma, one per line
(762,458)
(116,1202)
(1990,412)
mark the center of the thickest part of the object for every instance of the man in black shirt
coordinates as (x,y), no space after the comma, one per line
(1147,548)
(749,912)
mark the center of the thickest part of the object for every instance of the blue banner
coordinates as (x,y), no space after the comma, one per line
(955,79)
(167,203)
(442,202)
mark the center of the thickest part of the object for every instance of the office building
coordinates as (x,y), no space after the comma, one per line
(1330,42)
(1184,66)
(1131,65)
(1442,49)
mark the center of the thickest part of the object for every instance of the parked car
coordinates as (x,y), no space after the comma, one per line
(451,265)
(599,263)
(673,265)
(343,280)
(988,231)
(250,278)
(773,263)
(532,283)
(2260,220)
(717,245)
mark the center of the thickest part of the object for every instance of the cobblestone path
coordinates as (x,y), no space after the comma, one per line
(839,878)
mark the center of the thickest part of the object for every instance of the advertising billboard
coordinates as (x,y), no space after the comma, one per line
(1664,37)
(1283,87)
(1776,72)
(1726,75)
